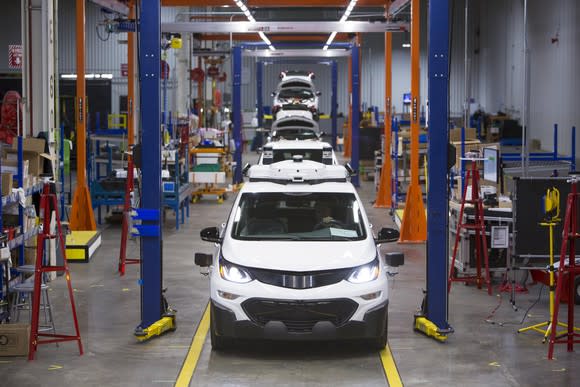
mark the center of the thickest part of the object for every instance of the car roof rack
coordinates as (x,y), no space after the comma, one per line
(298,171)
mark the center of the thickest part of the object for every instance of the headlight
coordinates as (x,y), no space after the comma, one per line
(233,273)
(365,273)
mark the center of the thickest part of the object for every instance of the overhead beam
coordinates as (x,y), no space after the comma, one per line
(297,53)
(113,5)
(276,38)
(397,6)
(287,27)
(272,3)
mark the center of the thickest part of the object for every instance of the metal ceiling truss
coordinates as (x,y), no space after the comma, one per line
(285,27)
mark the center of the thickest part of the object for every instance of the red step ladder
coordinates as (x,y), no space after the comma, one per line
(129,189)
(48,200)
(478,225)
(569,236)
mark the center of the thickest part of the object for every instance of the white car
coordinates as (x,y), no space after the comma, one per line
(293,110)
(303,78)
(297,260)
(296,96)
(282,150)
(294,128)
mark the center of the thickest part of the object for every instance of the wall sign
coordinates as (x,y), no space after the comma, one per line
(15,56)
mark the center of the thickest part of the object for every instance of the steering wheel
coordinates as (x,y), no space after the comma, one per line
(329,223)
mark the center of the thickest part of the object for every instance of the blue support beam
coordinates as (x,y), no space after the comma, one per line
(237,110)
(437,199)
(355,121)
(149,74)
(334,102)
(260,92)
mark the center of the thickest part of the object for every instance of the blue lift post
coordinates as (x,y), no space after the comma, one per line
(433,318)
(237,110)
(355,121)
(154,318)
(334,103)
(259,92)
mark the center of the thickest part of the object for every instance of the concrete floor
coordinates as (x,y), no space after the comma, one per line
(479,353)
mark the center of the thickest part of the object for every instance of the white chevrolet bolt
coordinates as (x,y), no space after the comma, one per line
(297,260)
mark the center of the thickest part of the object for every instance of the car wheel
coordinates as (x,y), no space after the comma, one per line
(381,342)
(577,291)
(218,343)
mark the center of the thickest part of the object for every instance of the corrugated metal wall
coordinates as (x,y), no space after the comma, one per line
(103,56)
(554,86)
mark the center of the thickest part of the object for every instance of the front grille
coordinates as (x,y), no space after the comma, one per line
(299,316)
(299,280)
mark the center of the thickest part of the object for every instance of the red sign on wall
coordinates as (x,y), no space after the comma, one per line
(124,70)
(15,56)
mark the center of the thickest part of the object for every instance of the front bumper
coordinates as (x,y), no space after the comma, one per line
(373,325)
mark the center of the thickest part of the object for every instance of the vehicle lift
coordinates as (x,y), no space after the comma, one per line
(156,316)
(432,318)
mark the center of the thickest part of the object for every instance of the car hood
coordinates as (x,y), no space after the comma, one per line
(297,255)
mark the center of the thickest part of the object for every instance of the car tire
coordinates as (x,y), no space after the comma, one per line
(381,342)
(218,343)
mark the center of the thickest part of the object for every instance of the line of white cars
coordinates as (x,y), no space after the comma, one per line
(296,258)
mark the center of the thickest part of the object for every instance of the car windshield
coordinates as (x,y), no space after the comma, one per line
(295,93)
(304,216)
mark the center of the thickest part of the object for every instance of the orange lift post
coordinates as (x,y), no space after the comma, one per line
(414,222)
(384,194)
(82,217)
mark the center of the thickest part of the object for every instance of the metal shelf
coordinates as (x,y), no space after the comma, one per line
(19,240)
(13,197)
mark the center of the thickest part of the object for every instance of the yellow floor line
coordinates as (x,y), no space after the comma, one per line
(190,362)
(390,367)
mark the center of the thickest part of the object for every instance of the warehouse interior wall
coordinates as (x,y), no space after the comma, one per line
(553,38)
(10,17)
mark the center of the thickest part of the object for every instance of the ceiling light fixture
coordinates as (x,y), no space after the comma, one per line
(251,19)
(345,16)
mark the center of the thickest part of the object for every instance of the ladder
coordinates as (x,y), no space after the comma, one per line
(478,225)
(48,203)
(569,236)
(129,189)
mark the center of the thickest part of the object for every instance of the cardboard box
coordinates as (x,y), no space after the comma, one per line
(33,151)
(6,183)
(455,134)
(11,166)
(14,339)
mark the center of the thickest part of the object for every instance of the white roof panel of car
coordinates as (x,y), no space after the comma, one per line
(297,171)
(297,144)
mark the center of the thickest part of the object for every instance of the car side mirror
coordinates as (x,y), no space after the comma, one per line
(395,259)
(349,169)
(387,235)
(203,260)
(210,234)
(318,93)
(273,94)
(322,134)
(244,171)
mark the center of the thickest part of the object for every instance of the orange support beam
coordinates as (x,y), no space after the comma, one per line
(414,223)
(82,216)
(384,194)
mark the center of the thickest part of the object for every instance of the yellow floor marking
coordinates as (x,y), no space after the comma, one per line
(494,364)
(390,367)
(190,362)
(54,367)
(5,361)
